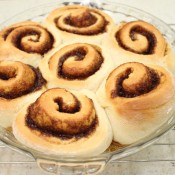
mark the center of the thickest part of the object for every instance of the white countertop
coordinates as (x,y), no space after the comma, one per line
(158,159)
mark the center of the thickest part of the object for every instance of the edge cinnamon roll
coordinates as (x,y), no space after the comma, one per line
(138,100)
(19,84)
(79,23)
(26,42)
(138,41)
(76,66)
(61,122)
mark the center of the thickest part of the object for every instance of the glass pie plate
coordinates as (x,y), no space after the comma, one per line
(89,165)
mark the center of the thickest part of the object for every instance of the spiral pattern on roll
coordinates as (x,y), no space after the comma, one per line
(133,80)
(17,79)
(76,61)
(80,20)
(135,85)
(67,115)
(141,38)
(29,37)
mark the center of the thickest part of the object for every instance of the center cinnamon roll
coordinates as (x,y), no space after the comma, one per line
(80,62)
(61,121)
(75,66)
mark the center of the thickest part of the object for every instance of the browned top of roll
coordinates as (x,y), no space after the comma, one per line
(80,20)
(29,37)
(140,37)
(59,113)
(17,79)
(76,61)
(134,80)
(135,85)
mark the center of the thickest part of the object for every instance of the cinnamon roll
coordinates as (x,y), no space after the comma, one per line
(138,41)
(26,42)
(19,84)
(76,66)
(61,122)
(79,23)
(138,100)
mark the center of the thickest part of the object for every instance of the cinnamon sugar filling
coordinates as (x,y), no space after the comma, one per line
(149,82)
(79,73)
(69,119)
(142,31)
(34,37)
(85,20)
(53,133)
(38,83)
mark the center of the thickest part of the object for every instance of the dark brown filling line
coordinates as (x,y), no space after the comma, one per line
(142,88)
(83,23)
(17,40)
(7,32)
(80,54)
(4,76)
(39,82)
(64,108)
(52,133)
(140,30)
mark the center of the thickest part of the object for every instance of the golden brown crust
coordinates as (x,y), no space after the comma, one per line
(140,37)
(15,79)
(18,84)
(138,99)
(76,66)
(137,41)
(136,86)
(93,142)
(26,41)
(77,61)
(79,21)
(66,114)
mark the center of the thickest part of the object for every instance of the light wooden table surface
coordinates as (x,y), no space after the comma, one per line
(158,159)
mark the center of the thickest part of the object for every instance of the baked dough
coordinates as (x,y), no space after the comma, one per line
(76,66)
(79,23)
(64,123)
(19,84)
(138,99)
(26,42)
(139,41)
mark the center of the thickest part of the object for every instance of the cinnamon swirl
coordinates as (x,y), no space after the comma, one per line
(26,42)
(76,66)
(19,83)
(138,41)
(79,23)
(60,121)
(138,100)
